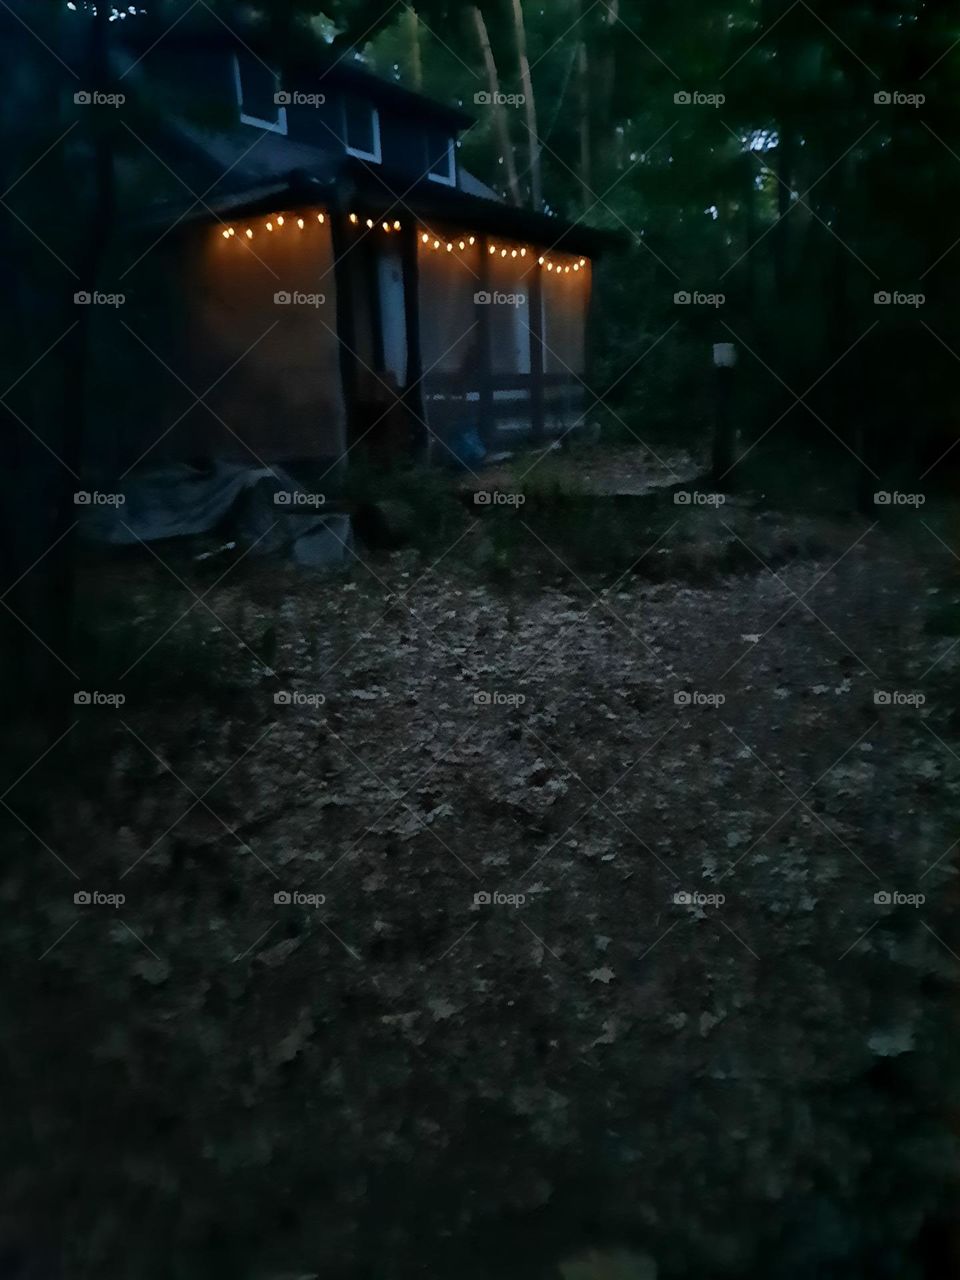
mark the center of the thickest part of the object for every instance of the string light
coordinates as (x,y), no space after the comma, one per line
(225,234)
(280,220)
(436,244)
(493,248)
(249,234)
(354,219)
(386,226)
(300,223)
(549,266)
(542,261)
(576,266)
(462,244)
(513,253)
(320,218)
(583,262)
(523,253)
(396,225)
(449,248)
(473,240)
(269,226)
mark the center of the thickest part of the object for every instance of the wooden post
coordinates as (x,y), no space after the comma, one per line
(485,347)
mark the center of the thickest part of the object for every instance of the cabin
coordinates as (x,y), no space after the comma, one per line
(352,289)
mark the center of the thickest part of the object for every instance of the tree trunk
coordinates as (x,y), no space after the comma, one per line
(530,107)
(496,104)
(586,165)
(416,57)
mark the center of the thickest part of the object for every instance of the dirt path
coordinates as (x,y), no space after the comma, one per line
(600,959)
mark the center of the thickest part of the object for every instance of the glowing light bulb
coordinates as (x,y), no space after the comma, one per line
(300,223)
(226,235)
(549,266)
(370,223)
(354,219)
(473,240)
(269,226)
(386,226)
(576,266)
(523,253)
(449,248)
(463,244)
(583,262)
(513,253)
(396,225)
(503,253)
(320,217)
(425,238)
(233,231)
(280,220)
(493,248)
(436,244)
(542,261)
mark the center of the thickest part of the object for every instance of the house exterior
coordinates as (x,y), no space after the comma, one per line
(351,289)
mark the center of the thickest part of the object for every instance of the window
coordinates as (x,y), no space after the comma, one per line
(361,129)
(258,94)
(440,158)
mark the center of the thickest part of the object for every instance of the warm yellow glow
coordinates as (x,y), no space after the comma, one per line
(513,254)
(493,248)
(370,223)
(249,234)
(386,226)
(449,248)
(523,253)
(280,220)
(463,244)
(542,261)
(473,239)
(503,253)
(269,226)
(233,231)
(226,235)
(425,238)
(300,223)
(436,244)
(549,266)
(396,225)
(354,219)
(320,217)
(583,262)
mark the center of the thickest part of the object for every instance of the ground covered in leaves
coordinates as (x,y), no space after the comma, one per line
(589,953)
